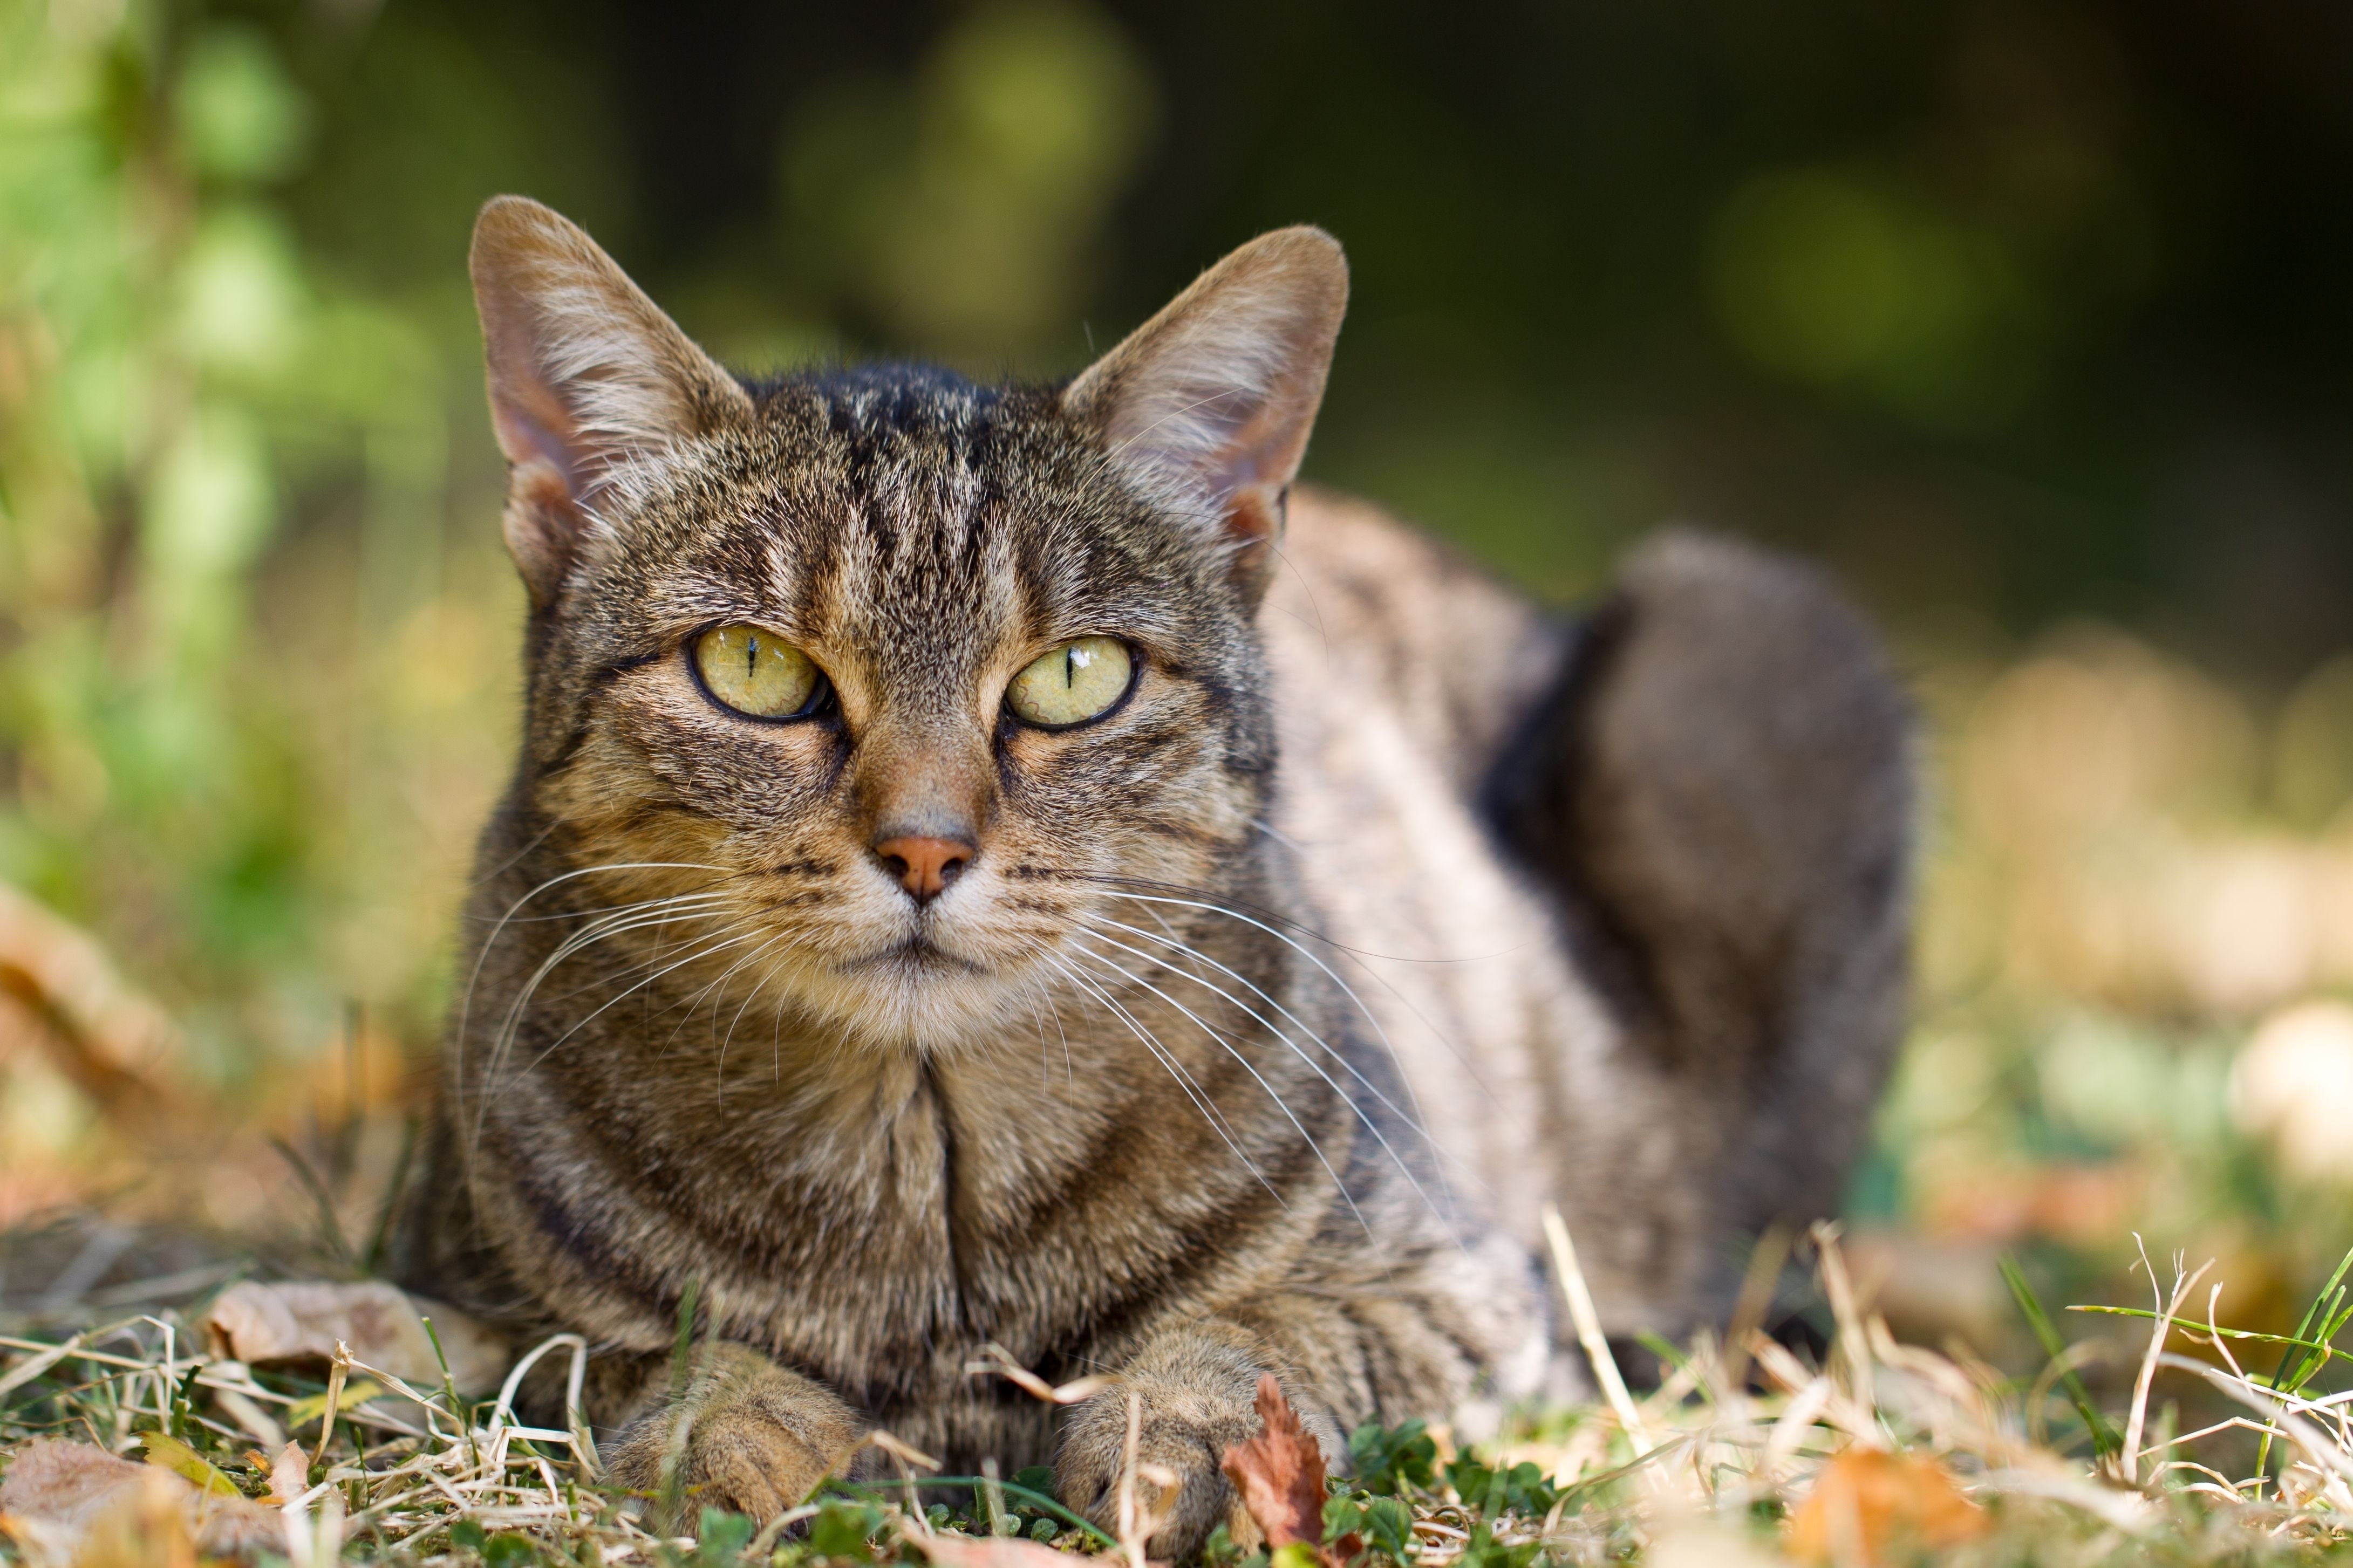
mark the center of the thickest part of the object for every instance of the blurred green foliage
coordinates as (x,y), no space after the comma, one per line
(960,207)
(177,374)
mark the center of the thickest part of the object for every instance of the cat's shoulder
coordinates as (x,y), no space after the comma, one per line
(1362,605)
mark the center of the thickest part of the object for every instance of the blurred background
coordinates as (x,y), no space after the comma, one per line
(2031,321)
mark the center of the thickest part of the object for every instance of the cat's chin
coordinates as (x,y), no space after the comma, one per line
(914,994)
(914,959)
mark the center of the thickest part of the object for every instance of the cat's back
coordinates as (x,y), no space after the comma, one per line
(1369,620)
(1401,673)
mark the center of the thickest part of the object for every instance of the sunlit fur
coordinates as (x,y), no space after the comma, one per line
(1270,1006)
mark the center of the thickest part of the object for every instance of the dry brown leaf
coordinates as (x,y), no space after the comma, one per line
(998,1551)
(1279,1473)
(299,1321)
(73,1503)
(111,1041)
(290,1475)
(1870,1508)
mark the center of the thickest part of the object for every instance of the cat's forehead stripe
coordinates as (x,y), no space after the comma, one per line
(911,490)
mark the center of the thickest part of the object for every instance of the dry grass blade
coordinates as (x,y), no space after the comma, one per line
(1589,1328)
(1888,1450)
(2168,1307)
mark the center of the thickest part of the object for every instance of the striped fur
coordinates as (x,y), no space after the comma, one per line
(1271,1006)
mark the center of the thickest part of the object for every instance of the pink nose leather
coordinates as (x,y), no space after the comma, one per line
(924,866)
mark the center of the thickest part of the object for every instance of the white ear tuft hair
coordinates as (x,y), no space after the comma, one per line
(587,375)
(1209,403)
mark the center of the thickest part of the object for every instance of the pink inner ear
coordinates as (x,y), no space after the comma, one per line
(543,523)
(549,479)
(1264,445)
(1253,474)
(1254,521)
(535,430)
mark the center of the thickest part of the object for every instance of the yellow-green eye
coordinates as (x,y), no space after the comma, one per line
(1072,684)
(754,671)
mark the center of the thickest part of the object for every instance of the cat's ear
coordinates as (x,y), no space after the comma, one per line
(1210,402)
(585,375)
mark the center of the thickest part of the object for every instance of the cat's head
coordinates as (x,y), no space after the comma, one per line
(888,680)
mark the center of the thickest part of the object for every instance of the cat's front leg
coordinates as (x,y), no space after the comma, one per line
(756,1438)
(1195,1388)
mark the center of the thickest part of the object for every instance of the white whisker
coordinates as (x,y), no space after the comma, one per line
(473,979)
(655,913)
(1371,1124)
(1345,989)
(706,952)
(1175,1068)
(1290,1116)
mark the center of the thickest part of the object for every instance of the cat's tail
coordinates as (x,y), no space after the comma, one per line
(1720,790)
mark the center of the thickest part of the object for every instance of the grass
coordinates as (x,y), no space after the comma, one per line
(1746,1452)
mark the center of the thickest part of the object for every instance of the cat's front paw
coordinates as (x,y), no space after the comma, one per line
(756,1439)
(1180,1448)
(1190,1407)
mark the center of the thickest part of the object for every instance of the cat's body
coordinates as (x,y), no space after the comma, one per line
(1241,1024)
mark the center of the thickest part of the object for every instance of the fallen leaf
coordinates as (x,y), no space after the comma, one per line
(299,1321)
(951,1551)
(73,1503)
(110,1040)
(142,1525)
(1278,1476)
(355,1392)
(167,1452)
(1870,1509)
(290,1475)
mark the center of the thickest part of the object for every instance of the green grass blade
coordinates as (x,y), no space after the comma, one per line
(459,1414)
(1036,1500)
(2248,1335)
(2292,1359)
(2104,1440)
(2319,1313)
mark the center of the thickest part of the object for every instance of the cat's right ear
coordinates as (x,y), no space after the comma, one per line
(586,375)
(1209,403)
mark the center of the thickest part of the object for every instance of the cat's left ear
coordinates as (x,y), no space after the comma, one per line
(586,377)
(1210,402)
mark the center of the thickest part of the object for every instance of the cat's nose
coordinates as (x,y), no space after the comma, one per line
(924,866)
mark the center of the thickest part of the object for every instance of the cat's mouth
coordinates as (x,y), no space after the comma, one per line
(914,955)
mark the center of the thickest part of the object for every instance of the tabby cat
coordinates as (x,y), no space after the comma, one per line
(1001,864)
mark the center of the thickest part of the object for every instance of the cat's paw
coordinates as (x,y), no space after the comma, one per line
(1183,1429)
(756,1439)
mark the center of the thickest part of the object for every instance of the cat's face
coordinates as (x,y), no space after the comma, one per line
(889,682)
(803,648)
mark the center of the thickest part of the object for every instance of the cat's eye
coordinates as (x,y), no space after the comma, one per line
(757,673)
(1078,681)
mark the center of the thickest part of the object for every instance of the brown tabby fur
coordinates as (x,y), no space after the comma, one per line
(1271,1007)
